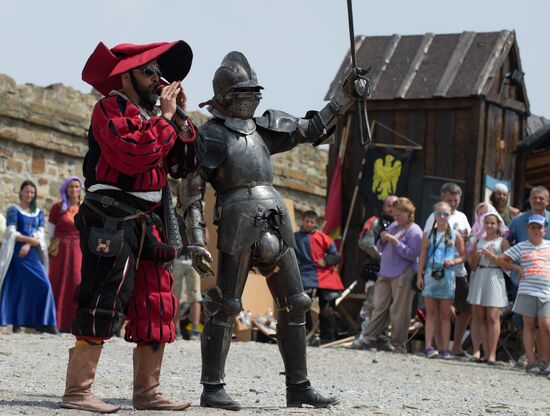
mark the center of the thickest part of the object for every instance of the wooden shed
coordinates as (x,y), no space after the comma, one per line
(534,153)
(460,96)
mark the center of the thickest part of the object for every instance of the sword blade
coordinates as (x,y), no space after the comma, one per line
(360,116)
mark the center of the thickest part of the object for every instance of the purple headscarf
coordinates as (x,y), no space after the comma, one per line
(63,191)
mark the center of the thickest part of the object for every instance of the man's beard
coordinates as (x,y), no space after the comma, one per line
(500,205)
(147,99)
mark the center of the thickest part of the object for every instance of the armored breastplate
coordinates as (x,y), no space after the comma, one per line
(242,175)
(247,163)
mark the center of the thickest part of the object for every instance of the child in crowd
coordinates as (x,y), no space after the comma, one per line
(487,285)
(533,299)
(436,277)
(478,229)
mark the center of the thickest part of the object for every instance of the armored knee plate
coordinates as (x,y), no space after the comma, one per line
(300,303)
(215,304)
(293,312)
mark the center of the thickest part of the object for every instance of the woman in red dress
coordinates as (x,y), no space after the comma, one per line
(64,250)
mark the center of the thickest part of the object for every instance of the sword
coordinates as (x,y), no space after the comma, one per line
(360,105)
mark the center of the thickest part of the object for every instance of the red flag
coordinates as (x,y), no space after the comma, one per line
(333,210)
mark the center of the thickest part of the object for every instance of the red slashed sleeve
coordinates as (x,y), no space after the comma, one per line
(127,142)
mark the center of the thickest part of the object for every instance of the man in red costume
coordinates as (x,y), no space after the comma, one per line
(133,145)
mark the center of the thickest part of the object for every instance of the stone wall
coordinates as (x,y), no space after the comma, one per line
(43,137)
(301,176)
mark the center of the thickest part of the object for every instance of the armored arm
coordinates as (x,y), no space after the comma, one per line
(190,197)
(316,126)
(368,240)
(286,131)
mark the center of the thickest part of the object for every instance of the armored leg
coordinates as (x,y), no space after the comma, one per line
(222,304)
(286,287)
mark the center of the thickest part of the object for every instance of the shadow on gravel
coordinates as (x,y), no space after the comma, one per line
(53,402)
(48,404)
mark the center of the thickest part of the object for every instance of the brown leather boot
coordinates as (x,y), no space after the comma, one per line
(80,377)
(147,364)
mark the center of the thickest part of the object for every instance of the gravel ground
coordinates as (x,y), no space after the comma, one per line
(32,377)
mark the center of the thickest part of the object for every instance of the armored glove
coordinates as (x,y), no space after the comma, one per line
(199,258)
(356,85)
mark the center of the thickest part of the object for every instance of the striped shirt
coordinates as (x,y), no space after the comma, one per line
(535,263)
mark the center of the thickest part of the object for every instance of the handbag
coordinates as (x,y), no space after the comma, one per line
(53,248)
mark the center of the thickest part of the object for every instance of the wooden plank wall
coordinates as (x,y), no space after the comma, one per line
(448,133)
(503,131)
(461,140)
(537,169)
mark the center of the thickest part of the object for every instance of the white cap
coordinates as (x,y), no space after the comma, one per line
(500,187)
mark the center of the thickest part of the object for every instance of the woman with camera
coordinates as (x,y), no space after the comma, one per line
(442,249)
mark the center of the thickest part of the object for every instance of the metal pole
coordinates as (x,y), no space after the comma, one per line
(358,110)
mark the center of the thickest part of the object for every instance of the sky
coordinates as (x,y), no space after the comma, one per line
(295,46)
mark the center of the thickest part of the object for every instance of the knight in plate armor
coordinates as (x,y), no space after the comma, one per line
(254,228)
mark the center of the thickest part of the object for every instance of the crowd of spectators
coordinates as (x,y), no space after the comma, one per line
(465,277)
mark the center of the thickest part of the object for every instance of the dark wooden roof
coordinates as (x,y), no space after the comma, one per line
(429,66)
(538,130)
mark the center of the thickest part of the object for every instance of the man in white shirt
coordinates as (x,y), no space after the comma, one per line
(451,194)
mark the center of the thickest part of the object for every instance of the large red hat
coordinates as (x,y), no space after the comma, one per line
(105,66)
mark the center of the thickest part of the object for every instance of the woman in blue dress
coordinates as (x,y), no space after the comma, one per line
(26,297)
(442,250)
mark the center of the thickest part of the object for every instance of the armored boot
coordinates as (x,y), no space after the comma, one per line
(292,345)
(81,371)
(147,365)
(300,394)
(215,342)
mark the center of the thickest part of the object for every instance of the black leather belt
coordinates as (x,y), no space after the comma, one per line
(108,201)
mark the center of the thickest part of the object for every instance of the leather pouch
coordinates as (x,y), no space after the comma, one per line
(53,248)
(104,242)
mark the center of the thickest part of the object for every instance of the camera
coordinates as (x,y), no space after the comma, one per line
(438,273)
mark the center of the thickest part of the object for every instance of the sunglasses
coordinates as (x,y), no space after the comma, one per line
(441,214)
(150,70)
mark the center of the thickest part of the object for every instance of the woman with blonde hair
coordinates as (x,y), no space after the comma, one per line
(399,246)
(64,252)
